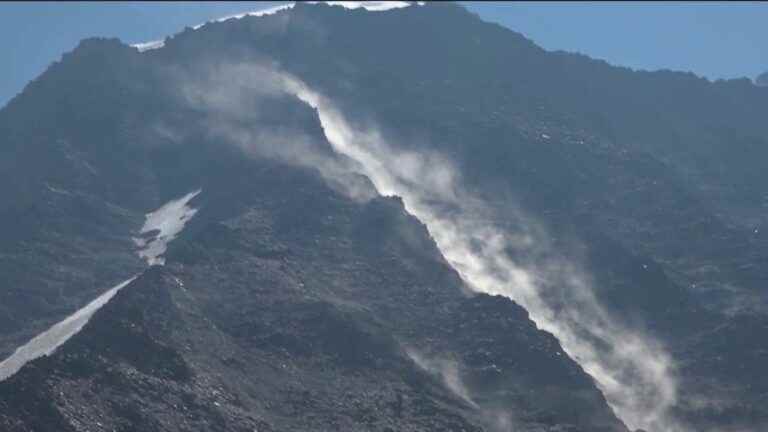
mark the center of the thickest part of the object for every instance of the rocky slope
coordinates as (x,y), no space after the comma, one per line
(304,311)
(650,183)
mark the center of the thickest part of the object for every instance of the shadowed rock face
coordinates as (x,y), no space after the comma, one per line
(762,79)
(286,305)
(298,311)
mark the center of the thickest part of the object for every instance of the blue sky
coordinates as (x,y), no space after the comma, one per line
(716,40)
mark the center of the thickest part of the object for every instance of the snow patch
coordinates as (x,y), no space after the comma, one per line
(372,6)
(162,226)
(146,46)
(262,12)
(45,343)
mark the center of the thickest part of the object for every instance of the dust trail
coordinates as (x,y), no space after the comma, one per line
(446,369)
(634,372)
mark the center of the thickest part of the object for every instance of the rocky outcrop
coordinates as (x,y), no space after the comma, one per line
(299,313)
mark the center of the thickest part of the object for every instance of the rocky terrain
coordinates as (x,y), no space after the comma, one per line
(300,298)
(295,314)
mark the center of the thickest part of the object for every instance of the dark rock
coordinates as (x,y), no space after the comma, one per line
(287,306)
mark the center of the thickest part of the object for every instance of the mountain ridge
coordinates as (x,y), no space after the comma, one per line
(527,129)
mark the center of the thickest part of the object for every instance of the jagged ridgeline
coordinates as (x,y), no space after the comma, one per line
(390,218)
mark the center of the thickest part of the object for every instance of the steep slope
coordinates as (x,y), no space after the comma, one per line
(161,227)
(660,211)
(73,189)
(304,310)
(669,239)
(622,209)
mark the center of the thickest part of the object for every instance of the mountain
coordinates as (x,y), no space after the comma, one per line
(762,79)
(443,227)
(296,315)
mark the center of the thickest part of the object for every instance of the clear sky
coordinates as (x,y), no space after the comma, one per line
(716,40)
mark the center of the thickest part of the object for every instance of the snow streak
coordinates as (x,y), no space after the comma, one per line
(45,343)
(160,228)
